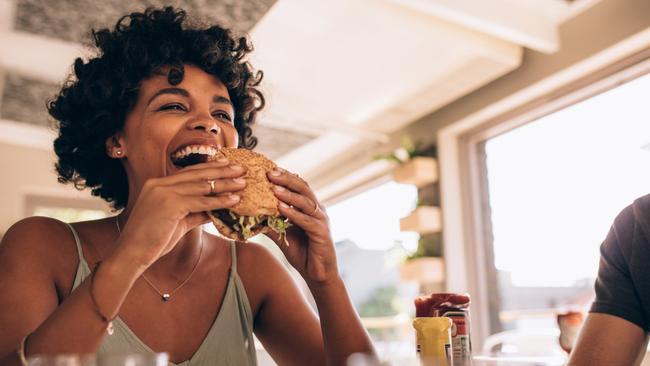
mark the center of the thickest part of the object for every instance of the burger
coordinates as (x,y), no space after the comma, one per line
(257,210)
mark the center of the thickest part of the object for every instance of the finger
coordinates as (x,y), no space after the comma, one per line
(292,182)
(304,221)
(304,204)
(209,203)
(204,188)
(230,171)
(210,164)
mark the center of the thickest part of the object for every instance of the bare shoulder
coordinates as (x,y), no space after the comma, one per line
(30,254)
(37,244)
(34,232)
(257,262)
(260,271)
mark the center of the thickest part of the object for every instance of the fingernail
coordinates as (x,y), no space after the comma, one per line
(282,204)
(222,160)
(239,180)
(276,173)
(237,167)
(233,198)
(278,188)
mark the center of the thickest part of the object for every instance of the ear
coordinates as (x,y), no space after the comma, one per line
(115,147)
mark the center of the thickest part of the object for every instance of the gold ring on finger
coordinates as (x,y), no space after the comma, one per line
(316,207)
(212,189)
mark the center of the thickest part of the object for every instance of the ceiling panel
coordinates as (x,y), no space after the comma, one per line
(70,20)
(24,99)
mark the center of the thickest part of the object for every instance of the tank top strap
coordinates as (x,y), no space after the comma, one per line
(77,243)
(83,270)
(233,257)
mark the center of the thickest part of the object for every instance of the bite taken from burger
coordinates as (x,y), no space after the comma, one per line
(257,210)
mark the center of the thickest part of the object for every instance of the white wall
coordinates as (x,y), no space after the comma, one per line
(27,171)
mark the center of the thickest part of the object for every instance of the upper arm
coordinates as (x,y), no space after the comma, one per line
(615,330)
(27,286)
(285,324)
(616,293)
(616,290)
(607,340)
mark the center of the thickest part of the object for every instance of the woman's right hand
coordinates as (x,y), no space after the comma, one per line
(169,207)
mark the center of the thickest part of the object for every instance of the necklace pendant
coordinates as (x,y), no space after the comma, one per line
(165,297)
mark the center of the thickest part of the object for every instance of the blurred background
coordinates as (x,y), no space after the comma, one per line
(459,145)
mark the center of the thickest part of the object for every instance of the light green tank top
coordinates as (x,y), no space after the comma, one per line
(229,341)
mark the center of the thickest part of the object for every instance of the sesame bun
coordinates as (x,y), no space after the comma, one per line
(257,198)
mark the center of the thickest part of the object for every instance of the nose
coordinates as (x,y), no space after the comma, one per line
(205,124)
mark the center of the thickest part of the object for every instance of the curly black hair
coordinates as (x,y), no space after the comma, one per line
(93,104)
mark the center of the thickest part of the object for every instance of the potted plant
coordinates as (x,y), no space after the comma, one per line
(415,165)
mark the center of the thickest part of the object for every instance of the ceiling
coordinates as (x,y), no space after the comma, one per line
(59,28)
(70,20)
(340,76)
(359,71)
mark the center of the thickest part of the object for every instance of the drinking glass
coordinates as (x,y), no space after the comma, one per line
(153,359)
(62,360)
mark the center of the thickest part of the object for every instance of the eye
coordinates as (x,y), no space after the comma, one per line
(173,107)
(222,115)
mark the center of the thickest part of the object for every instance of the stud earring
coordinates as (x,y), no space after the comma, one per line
(118,153)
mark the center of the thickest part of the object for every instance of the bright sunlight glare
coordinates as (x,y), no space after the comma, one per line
(371,219)
(557,184)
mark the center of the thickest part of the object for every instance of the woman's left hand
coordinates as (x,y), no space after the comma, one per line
(310,248)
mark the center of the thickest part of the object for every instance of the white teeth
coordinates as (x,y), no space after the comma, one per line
(194,149)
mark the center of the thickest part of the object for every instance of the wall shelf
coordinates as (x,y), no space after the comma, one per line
(423,220)
(418,171)
(424,270)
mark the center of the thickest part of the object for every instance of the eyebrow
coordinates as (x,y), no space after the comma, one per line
(221,99)
(184,93)
(176,91)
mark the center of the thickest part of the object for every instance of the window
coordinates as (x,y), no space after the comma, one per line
(65,209)
(555,186)
(67,214)
(371,219)
(370,248)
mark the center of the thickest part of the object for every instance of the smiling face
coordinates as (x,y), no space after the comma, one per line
(170,122)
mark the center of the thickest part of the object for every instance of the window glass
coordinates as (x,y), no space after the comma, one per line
(555,187)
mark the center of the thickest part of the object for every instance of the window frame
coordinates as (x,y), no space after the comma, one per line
(467,228)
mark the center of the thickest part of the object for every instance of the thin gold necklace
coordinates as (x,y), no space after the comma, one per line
(166,296)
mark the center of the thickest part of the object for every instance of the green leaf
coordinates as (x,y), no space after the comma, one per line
(408,144)
(389,157)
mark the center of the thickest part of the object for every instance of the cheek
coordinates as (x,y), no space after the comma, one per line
(230,136)
(150,152)
(149,157)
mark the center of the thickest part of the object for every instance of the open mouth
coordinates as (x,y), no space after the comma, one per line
(193,154)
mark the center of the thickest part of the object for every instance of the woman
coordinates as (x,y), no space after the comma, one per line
(150,275)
